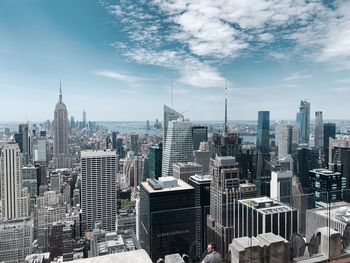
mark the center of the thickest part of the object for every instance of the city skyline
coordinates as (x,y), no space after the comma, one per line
(264,50)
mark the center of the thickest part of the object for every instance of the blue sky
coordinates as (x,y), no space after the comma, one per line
(117,59)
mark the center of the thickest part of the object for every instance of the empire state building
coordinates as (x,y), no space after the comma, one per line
(61,152)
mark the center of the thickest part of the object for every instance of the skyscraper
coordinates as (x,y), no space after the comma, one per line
(155,161)
(22,139)
(134,143)
(263,175)
(84,118)
(199,134)
(11,180)
(178,145)
(319,130)
(262,142)
(167,217)
(288,139)
(61,152)
(169,115)
(98,189)
(328,132)
(114,140)
(304,121)
(225,190)
(201,184)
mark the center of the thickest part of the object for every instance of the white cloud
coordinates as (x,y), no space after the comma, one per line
(118,76)
(297,76)
(345,81)
(192,36)
(340,89)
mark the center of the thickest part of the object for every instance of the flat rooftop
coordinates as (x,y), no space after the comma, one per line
(266,205)
(188,164)
(135,256)
(181,185)
(99,153)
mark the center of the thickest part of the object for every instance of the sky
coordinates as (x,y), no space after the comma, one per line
(117,59)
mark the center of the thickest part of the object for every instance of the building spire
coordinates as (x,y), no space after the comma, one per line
(226,126)
(60,97)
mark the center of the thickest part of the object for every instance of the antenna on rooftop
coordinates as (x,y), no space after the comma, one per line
(226,126)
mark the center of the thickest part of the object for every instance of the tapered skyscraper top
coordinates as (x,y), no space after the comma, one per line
(60,94)
(61,133)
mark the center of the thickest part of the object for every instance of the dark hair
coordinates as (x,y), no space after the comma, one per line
(213,246)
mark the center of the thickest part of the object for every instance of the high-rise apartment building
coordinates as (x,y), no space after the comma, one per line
(319,130)
(98,189)
(169,115)
(11,179)
(61,151)
(178,145)
(225,190)
(304,121)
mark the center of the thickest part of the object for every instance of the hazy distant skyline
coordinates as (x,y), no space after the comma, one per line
(116,58)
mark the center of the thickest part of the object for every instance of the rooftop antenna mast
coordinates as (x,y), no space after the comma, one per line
(226,126)
(171,94)
(60,92)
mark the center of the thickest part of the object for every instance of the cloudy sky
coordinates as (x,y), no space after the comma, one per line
(117,59)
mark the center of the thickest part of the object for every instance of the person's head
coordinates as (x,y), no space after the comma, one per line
(211,247)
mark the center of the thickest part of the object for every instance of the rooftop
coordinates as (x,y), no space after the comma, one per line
(266,205)
(135,256)
(181,185)
(201,178)
(99,153)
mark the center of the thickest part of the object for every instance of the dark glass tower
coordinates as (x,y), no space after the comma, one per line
(263,176)
(329,132)
(307,160)
(201,184)
(304,121)
(167,222)
(262,142)
(199,134)
(155,161)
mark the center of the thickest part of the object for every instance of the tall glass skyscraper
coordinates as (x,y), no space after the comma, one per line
(169,115)
(328,132)
(318,129)
(304,121)
(178,145)
(262,142)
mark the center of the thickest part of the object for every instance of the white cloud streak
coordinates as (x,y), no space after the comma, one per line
(118,76)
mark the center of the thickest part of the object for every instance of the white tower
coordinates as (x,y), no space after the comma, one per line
(98,189)
(11,179)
